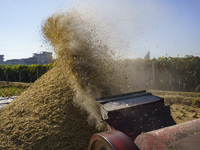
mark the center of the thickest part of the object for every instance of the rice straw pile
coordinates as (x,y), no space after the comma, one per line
(44,117)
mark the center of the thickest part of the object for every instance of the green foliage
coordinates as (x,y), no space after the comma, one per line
(10,91)
(171,73)
(181,74)
(23,73)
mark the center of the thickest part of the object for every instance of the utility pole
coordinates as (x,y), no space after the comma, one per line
(153,68)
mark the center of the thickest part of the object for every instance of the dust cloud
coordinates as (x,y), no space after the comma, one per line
(86,60)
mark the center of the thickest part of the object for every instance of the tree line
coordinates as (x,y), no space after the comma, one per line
(164,73)
(23,73)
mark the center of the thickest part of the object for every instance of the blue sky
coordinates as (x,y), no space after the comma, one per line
(170,27)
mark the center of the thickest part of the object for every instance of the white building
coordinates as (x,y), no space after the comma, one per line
(43,57)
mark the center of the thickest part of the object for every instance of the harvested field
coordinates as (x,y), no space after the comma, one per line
(14,84)
(185,105)
(12,88)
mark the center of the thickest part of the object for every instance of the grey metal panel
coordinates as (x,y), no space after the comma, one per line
(130,102)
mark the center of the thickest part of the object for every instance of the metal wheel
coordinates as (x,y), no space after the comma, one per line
(111,140)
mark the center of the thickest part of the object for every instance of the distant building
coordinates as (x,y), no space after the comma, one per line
(41,58)
(1,58)
(29,61)
(13,61)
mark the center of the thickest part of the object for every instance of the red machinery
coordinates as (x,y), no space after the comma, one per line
(140,120)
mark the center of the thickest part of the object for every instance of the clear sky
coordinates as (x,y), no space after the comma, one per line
(169,27)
